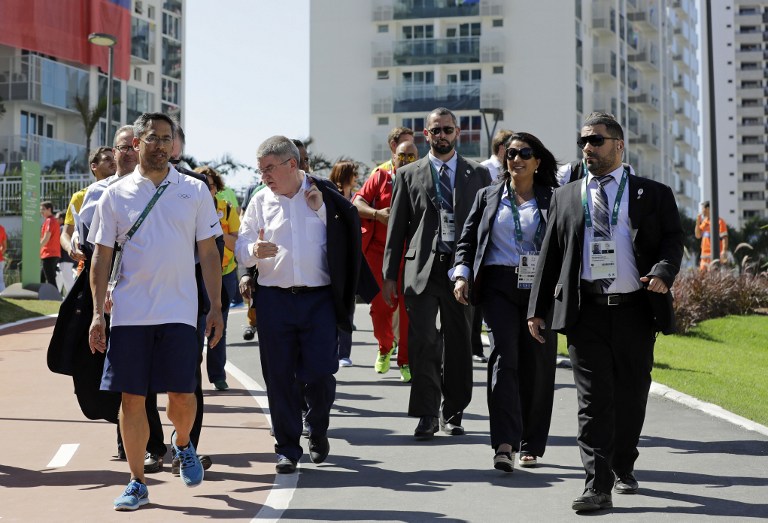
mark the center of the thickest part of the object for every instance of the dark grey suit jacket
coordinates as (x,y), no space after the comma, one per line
(657,238)
(414,218)
(470,249)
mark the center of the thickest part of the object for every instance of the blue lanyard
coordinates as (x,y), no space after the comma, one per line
(616,203)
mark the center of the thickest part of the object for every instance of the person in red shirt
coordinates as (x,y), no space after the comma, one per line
(50,248)
(702,231)
(372,202)
(3,248)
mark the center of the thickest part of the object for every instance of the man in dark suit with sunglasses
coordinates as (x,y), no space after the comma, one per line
(430,202)
(612,249)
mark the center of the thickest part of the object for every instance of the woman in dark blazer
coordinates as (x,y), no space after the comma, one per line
(495,263)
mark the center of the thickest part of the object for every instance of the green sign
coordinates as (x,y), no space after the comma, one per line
(30,222)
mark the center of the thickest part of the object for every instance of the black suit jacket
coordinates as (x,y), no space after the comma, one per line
(657,238)
(470,249)
(414,221)
(343,252)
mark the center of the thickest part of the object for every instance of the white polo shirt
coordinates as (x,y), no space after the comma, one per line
(157,283)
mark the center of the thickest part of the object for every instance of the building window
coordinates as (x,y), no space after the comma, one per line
(139,101)
(383,120)
(150,78)
(137,74)
(142,40)
(418,32)
(416,124)
(172,26)
(383,28)
(498,22)
(151,12)
(419,78)
(138,8)
(382,75)
(498,69)
(171,91)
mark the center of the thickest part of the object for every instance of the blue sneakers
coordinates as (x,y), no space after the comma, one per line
(190,468)
(135,495)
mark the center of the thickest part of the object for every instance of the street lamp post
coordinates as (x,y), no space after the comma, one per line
(107,40)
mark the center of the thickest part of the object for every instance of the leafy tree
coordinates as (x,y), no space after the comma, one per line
(90,117)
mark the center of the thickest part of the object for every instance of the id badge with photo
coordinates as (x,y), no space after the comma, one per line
(447,227)
(526,270)
(602,259)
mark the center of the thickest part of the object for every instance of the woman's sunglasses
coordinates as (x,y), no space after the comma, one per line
(526,153)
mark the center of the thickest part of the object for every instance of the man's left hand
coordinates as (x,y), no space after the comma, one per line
(214,323)
(655,285)
(314,197)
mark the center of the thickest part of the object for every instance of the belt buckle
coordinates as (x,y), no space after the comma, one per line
(613,299)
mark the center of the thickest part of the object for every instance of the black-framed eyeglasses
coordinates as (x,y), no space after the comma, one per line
(155,140)
(123,148)
(446,130)
(268,170)
(174,161)
(526,153)
(595,140)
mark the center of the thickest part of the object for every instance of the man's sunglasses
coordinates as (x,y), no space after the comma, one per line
(595,140)
(446,130)
(526,153)
(403,157)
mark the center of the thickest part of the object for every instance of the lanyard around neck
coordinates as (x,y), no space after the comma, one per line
(516,219)
(616,203)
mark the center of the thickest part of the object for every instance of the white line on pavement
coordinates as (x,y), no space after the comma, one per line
(282,490)
(64,454)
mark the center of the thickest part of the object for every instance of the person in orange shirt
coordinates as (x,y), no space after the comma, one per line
(702,231)
(50,248)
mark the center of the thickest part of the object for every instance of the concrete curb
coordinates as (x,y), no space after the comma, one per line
(25,321)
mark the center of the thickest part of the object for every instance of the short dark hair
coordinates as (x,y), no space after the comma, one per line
(500,138)
(705,204)
(298,143)
(47,204)
(94,158)
(207,170)
(442,111)
(142,123)
(606,119)
(397,133)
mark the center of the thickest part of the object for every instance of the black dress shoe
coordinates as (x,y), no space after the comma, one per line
(285,466)
(592,500)
(480,358)
(426,428)
(625,484)
(319,449)
(451,428)
(152,463)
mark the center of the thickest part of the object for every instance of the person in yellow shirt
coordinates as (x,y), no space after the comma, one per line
(230,223)
(702,232)
(395,137)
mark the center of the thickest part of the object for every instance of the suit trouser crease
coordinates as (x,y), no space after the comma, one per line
(521,371)
(611,351)
(297,339)
(431,351)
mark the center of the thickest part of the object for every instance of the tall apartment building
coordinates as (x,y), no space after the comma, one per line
(535,66)
(38,89)
(740,57)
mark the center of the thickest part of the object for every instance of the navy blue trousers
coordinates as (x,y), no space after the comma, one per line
(297,337)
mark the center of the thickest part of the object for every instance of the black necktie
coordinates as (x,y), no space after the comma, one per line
(446,192)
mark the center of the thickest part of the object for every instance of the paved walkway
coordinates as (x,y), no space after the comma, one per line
(692,466)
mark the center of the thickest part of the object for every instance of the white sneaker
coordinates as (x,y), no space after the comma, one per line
(345,362)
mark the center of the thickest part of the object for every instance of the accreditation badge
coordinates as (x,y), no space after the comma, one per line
(602,259)
(447,227)
(527,270)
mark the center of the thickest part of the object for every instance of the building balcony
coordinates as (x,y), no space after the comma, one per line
(33,78)
(603,63)
(386,10)
(603,19)
(437,51)
(423,98)
(645,60)
(52,155)
(646,101)
(646,18)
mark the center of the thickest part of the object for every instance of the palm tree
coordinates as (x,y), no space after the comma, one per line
(90,117)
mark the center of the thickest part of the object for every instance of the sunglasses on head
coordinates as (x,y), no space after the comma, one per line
(526,153)
(595,140)
(446,130)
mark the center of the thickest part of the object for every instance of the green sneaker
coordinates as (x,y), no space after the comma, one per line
(382,362)
(405,374)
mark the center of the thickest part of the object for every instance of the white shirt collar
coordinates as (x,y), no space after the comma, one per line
(616,173)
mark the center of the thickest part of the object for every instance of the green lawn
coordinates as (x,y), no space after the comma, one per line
(15,310)
(721,361)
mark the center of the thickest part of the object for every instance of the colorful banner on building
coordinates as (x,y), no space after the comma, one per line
(60,29)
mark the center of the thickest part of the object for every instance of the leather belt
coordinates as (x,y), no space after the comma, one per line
(300,289)
(612,300)
(502,268)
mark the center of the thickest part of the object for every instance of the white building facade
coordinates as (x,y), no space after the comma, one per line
(536,66)
(740,61)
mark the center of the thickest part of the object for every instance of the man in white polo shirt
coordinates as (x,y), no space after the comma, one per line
(153,299)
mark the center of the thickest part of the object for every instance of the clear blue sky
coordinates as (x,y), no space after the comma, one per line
(246,70)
